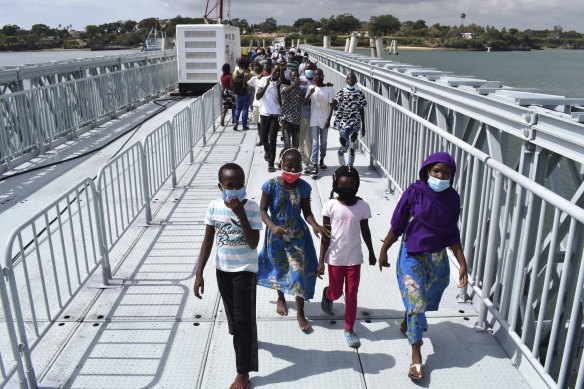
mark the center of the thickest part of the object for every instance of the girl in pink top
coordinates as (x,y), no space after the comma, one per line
(346,216)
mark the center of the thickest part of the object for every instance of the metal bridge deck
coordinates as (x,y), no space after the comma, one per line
(152,332)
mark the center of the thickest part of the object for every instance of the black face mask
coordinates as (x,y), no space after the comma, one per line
(346,195)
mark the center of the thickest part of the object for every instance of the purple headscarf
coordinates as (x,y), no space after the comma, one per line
(429,219)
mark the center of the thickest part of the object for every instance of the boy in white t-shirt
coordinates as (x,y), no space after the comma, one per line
(320,98)
(346,216)
(235,222)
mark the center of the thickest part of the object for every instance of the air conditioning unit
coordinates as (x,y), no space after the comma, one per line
(202,49)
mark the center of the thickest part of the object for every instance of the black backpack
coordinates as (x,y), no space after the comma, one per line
(238,84)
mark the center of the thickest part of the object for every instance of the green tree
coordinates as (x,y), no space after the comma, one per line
(462,17)
(308,28)
(383,25)
(300,22)
(128,26)
(269,25)
(10,29)
(41,30)
(92,31)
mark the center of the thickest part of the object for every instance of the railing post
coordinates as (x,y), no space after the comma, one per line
(491,250)
(190,134)
(172,152)
(24,350)
(11,330)
(106,272)
(472,208)
(203,122)
(213,117)
(145,183)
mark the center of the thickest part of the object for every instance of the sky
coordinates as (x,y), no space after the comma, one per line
(521,14)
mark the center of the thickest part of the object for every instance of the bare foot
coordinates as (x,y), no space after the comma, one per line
(281,308)
(302,322)
(241,381)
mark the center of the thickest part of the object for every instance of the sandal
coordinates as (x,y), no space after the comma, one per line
(419,369)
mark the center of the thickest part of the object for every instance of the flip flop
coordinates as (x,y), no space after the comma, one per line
(419,371)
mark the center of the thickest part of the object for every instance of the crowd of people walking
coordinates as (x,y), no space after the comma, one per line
(288,93)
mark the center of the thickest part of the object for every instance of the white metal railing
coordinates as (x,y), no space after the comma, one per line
(34,120)
(507,259)
(51,256)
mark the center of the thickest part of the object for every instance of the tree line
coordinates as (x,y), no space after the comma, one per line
(130,33)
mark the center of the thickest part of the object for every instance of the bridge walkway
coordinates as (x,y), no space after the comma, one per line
(151,331)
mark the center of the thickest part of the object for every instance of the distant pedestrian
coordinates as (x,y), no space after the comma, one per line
(242,93)
(227,95)
(269,113)
(304,137)
(235,222)
(320,97)
(255,114)
(350,105)
(427,217)
(292,98)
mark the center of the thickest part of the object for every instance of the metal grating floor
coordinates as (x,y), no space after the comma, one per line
(152,331)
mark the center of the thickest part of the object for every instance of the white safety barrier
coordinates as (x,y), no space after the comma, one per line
(51,256)
(34,120)
(512,264)
(48,260)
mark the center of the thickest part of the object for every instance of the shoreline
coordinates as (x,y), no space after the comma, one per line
(410,48)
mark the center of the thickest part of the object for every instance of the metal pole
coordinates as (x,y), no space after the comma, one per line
(213,100)
(11,331)
(353,44)
(491,250)
(379,46)
(145,183)
(106,273)
(24,350)
(190,135)
(172,152)
(373,48)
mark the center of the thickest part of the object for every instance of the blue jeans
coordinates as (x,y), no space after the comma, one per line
(348,139)
(318,134)
(241,105)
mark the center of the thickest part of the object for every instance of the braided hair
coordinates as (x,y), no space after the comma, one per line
(344,171)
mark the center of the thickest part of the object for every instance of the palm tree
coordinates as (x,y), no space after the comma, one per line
(462,17)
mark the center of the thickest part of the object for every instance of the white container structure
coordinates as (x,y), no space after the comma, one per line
(202,49)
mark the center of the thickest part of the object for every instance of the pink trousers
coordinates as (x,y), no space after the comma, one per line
(350,276)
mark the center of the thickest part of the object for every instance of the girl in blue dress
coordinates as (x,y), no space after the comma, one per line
(288,259)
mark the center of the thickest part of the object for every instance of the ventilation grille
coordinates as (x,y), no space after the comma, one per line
(201,45)
(202,55)
(201,65)
(200,34)
(202,76)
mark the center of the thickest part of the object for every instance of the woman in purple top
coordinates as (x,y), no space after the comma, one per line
(427,216)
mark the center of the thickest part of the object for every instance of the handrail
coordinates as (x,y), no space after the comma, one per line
(34,120)
(77,231)
(504,264)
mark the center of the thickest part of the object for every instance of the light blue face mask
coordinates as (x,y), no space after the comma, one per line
(350,87)
(309,74)
(438,185)
(228,194)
